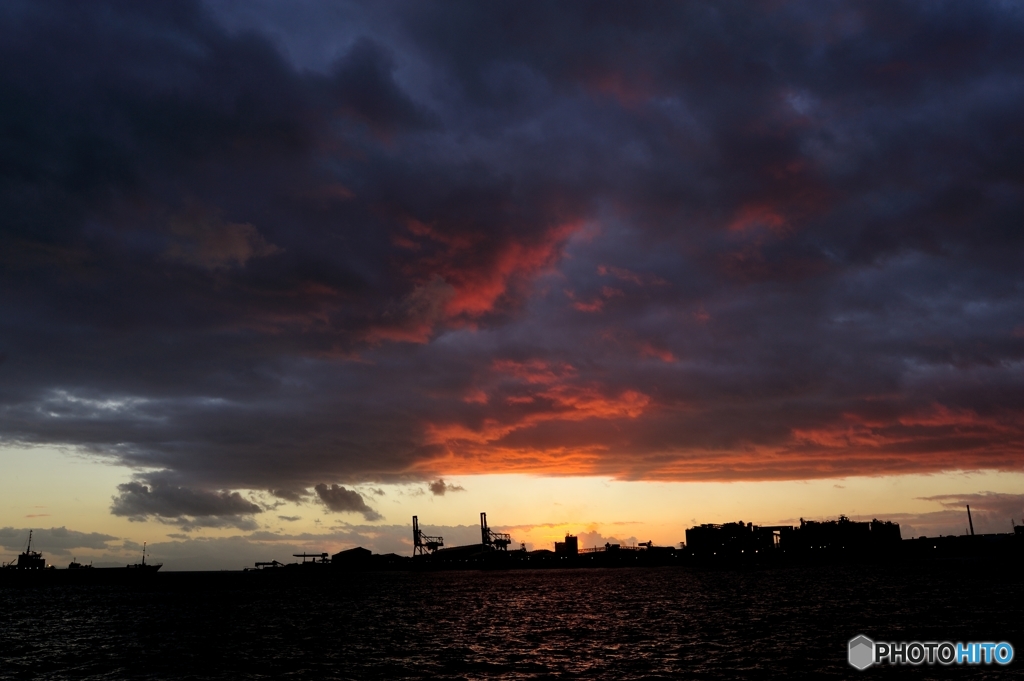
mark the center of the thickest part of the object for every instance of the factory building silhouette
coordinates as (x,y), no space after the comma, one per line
(728,544)
(716,545)
(744,541)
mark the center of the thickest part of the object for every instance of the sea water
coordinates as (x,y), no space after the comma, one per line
(635,623)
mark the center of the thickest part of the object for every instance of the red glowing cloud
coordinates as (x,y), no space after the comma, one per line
(478,289)
(555,425)
(655,247)
(522,398)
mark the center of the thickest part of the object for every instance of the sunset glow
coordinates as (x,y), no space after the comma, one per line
(606,270)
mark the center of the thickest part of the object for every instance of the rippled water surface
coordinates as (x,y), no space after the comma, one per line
(561,624)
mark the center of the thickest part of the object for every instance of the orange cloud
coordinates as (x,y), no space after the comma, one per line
(418,333)
(961,419)
(758,216)
(468,459)
(455,241)
(643,348)
(475,397)
(519,438)
(596,304)
(534,371)
(554,403)
(533,392)
(477,290)
(479,276)
(620,273)
(649,350)
(934,429)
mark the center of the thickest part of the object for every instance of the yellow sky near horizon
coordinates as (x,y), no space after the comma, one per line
(45,487)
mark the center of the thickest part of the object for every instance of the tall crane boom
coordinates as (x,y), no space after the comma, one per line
(422,543)
(489,537)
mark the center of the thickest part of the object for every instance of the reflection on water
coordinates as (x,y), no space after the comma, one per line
(573,624)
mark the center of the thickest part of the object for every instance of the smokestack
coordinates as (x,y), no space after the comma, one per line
(971,522)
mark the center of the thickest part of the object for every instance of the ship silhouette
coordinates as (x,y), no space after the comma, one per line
(28,559)
(30,567)
(143,567)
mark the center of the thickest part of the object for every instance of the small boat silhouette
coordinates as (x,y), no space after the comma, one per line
(143,567)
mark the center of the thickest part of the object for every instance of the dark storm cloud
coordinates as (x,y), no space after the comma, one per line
(1003,507)
(191,508)
(55,539)
(295,496)
(341,500)
(439,487)
(391,241)
(365,88)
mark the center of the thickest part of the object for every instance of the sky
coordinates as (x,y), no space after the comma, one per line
(275,277)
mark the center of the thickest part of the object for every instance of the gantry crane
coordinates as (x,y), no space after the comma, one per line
(489,537)
(421,543)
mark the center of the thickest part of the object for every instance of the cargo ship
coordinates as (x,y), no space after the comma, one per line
(28,559)
(31,568)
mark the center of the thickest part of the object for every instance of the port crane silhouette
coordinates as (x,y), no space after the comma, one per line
(489,537)
(422,543)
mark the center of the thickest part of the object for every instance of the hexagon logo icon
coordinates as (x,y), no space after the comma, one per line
(861,652)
